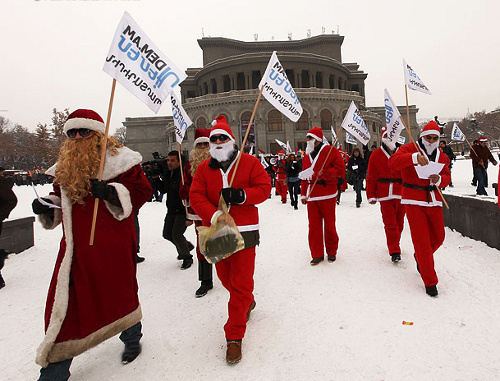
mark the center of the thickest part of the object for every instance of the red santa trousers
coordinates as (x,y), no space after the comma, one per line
(393,216)
(427,235)
(282,189)
(321,215)
(236,275)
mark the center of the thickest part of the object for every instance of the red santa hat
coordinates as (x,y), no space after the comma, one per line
(201,136)
(482,139)
(431,128)
(83,118)
(316,133)
(220,126)
(383,132)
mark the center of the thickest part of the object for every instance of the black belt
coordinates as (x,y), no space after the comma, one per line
(427,188)
(388,180)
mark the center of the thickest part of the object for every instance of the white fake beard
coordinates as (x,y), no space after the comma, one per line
(310,146)
(389,144)
(430,147)
(222,152)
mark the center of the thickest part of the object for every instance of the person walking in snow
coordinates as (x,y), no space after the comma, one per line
(322,165)
(8,202)
(199,154)
(480,155)
(422,200)
(279,169)
(292,169)
(383,184)
(93,291)
(251,186)
(357,167)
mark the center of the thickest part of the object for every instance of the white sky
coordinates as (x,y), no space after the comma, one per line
(53,50)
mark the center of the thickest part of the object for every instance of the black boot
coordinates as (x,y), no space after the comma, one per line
(2,282)
(204,288)
(431,291)
(140,259)
(396,257)
(132,350)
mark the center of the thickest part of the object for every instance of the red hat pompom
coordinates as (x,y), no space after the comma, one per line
(220,126)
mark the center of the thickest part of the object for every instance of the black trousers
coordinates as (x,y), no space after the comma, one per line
(173,231)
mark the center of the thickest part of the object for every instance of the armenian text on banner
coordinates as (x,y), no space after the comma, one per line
(392,118)
(181,119)
(350,140)
(355,125)
(278,91)
(457,134)
(413,81)
(137,63)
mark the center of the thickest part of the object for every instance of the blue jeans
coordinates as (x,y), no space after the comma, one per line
(358,185)
(294,190)
(59,371)
(482,180)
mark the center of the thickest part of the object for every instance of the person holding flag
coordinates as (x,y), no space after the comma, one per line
(93,294)
(423,169)
(383,184)
(322,168)
(250,186)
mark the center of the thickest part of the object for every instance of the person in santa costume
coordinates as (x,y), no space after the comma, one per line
(422,200)
(279,169)
(93,291)
(383,184)
(323,163)
(199,154)
(251,186)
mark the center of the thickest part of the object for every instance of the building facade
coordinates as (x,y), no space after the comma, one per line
(227,84)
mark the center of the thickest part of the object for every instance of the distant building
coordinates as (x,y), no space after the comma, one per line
(228,84)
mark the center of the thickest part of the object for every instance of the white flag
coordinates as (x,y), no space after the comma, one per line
(401,140)
(350,140)
(334,135)
(263,162)
(457,134)
(392,118)
(288,148)
(251,151)
(135,61)
(413,81)
(325,141)
(281,144)
(278,91)
(355,125)
(181,119)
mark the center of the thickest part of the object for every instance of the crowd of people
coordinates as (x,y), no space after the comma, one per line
(93,294)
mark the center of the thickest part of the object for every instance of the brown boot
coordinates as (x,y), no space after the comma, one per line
(252,306)
(233,353)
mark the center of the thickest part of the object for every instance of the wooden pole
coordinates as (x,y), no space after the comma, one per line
(415,143)
(323,166)
(103,157)
(246,136)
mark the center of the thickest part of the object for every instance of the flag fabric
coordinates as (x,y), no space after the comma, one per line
(137,63)
(334,135)
(325,141)
(350,140)
(288,148)
(278,91)
(281,144)
(401,140)
(392,118)
(457,134)
(355,125)
(181,119)
(263,162)
(413,81)
(251,151)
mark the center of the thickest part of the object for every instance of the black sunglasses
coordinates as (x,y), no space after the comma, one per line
(84,132)
(221,138)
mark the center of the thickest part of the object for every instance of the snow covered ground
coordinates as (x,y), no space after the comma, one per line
(338,321)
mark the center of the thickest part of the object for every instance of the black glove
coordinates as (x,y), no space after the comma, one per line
(100,189)
(39,208)
(340,181)
(233,195)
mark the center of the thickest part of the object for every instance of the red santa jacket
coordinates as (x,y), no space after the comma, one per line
(93,291)
(326,187)
(382,182)
(209,180)
(279,168)
(405,160)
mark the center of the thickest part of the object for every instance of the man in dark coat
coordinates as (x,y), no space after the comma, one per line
(8,201)
(449,152)
(480,155)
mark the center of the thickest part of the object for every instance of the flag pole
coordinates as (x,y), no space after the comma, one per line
(182,172)
(323,166)
(246,136)
(414,142)
(103,157)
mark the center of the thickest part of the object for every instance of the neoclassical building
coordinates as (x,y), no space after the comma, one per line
(228,84)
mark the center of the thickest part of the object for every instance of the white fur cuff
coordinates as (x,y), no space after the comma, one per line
(124,196)
(47,222)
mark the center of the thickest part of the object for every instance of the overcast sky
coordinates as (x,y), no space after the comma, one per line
(53,50)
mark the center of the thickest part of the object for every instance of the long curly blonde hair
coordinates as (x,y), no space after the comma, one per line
(198,155)
(79,161)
